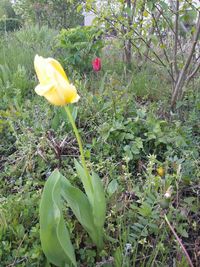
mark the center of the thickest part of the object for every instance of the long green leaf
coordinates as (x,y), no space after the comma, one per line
(96,197)
(54,235)
(99,201)
(98,207)
(80,206)
(84,179)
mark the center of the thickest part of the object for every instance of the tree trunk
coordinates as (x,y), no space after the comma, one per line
(178,89)
(128,45)
(128,54)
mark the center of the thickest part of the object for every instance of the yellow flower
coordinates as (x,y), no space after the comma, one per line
(54,84)
(161,171)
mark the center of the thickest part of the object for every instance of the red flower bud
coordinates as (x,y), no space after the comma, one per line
(96,64)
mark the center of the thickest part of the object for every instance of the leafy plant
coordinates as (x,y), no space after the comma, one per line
(79,45)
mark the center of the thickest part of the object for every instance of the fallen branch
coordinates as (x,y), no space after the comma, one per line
(179,241)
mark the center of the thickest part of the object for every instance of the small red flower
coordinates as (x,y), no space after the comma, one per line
(96,64)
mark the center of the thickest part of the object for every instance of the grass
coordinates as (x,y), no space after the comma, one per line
(127,134)
(20,47)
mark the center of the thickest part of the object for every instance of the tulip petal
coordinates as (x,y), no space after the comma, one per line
(41,71)
(58,67)
(54,98)
(54,84)
(66,92)
(43,89)
(39,67)
(70,94)
(76,99)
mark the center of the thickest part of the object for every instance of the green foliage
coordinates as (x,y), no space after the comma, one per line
(53,13)
(20,47)
(79,46)
(128,133)
(147,30)
(19,226)
(141,134)
(9,21)
(90,212)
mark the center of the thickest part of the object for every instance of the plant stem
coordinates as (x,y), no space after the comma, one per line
(179,241)
(79,143)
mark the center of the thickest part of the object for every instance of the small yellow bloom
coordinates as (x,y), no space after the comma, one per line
(54,84)
(160,171)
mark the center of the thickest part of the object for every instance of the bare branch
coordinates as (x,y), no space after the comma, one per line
(139,36)
(164,50)
(193,73)
(181,79)
(179,241)
(176,39)
(169,23)
(192,6)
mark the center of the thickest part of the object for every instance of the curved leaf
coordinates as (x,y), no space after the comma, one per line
(80,206)
(98,207)
(96,197)
(84,179)
(99,201)
(54,235)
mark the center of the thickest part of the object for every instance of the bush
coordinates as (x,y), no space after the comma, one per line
(79,46)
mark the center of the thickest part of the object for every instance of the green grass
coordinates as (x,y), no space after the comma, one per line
(20,47)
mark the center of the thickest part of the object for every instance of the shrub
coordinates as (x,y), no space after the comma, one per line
(79,46)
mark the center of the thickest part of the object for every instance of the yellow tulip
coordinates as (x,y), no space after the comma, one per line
(160,171)
(53,82)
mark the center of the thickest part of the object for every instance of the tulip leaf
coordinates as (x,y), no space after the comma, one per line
(98,206)
(96,197)
(99,201)
(80,206)
(84,179)
(54,235)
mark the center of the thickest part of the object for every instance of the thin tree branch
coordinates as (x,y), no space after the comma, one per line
(169,23)
(193,73)
(179,241)
(181,78)
(140,37)
(176,38)
(192,6)
(164,50)
(152,30)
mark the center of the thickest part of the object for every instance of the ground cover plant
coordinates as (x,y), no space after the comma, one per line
(145,152)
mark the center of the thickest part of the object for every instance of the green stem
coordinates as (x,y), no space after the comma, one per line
(79,143)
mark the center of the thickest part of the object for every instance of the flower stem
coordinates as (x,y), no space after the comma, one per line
(79,143)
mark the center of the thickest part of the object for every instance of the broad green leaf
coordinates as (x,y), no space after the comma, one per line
(80,206)
(54,235)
